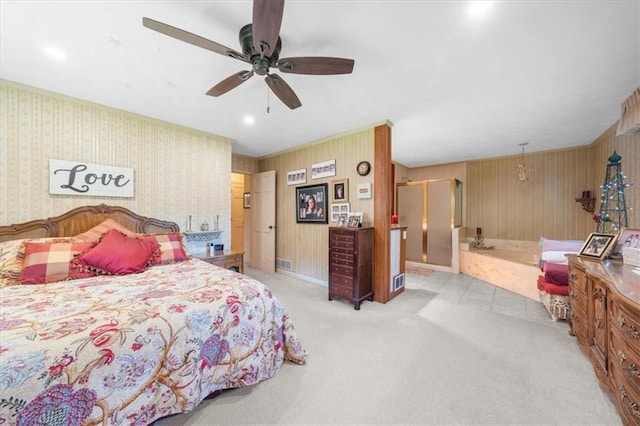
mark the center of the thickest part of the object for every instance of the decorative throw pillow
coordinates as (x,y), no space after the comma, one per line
(94,234)
(118,254)
(51,262)
(171,248)
(12,257)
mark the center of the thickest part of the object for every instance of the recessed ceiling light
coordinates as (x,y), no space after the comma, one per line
(479,8)
(55,53)
(249,120)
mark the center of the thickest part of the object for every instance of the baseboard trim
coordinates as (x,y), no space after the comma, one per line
(303,277)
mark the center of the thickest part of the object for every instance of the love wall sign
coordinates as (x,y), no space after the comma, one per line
(77,178)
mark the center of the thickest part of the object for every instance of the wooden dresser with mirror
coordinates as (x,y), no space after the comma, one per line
(604,300)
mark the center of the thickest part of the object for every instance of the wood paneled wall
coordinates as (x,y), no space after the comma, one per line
(546,206)
(306,245)
(505,209)
(243,164)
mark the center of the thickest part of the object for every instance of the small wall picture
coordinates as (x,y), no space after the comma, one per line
(246,200)
(324,169)
(627,237)
(337,209)
(296,177)
(364,190)
(597,246)
(340,190)
(311,204)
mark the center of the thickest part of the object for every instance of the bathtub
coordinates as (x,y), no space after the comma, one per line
(512,265)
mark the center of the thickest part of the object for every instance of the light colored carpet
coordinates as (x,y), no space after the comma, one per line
(450,350)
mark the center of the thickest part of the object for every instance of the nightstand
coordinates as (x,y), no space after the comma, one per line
(229,259)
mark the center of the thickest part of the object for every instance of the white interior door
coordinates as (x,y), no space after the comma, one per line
(263,204)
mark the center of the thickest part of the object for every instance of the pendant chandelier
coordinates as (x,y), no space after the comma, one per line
(523,172)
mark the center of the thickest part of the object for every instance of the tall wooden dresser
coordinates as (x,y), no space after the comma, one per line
(351,264)
(604,299)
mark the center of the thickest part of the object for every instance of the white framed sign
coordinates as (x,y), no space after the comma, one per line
(88,179)
(297,177)
(324,169)
(364,190)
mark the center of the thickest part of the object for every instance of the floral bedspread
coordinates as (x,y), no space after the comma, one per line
(127,350)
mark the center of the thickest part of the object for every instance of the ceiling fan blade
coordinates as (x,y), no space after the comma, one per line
(230,83)
(316,65)
(282,90)
(267,18)
(191,38)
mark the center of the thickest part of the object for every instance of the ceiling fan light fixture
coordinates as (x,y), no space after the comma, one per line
(261,44)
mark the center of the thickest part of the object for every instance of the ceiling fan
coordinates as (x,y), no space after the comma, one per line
(261,46)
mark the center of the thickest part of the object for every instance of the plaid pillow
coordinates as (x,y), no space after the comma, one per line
(171,248)
(94,234)
(12,257)
(51,262)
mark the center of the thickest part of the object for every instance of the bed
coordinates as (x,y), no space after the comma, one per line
(106,347)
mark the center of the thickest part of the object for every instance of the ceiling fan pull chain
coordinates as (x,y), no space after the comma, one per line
(268,100)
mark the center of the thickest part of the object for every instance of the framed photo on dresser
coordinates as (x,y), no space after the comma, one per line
(597,246)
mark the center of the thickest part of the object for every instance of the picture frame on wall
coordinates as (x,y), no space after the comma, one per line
(340,191)
(296,177)
(311,204)
(246,200)
(597,246)
(627,237)
(323,170)
(337,209)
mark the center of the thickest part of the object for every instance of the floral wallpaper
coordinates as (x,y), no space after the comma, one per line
(178,171)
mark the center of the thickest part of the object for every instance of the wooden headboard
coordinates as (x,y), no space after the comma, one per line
(82,219)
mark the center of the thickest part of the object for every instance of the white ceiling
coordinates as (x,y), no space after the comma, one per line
(548,73)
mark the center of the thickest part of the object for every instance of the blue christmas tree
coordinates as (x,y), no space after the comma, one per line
(613,207)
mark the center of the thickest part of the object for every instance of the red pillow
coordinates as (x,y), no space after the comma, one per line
(556,273)
(117,254)
(51,262)
(171,248)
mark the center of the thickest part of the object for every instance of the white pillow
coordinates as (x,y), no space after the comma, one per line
(556,256)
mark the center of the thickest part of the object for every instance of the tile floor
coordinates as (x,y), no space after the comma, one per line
(471,292)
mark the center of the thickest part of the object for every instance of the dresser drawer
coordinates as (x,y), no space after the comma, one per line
(577,300)
(625,324)
(342,243)
(342,257)
(340,291)
(346,271)
(578,280)
(625,390)
(341,280)
(625,359)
